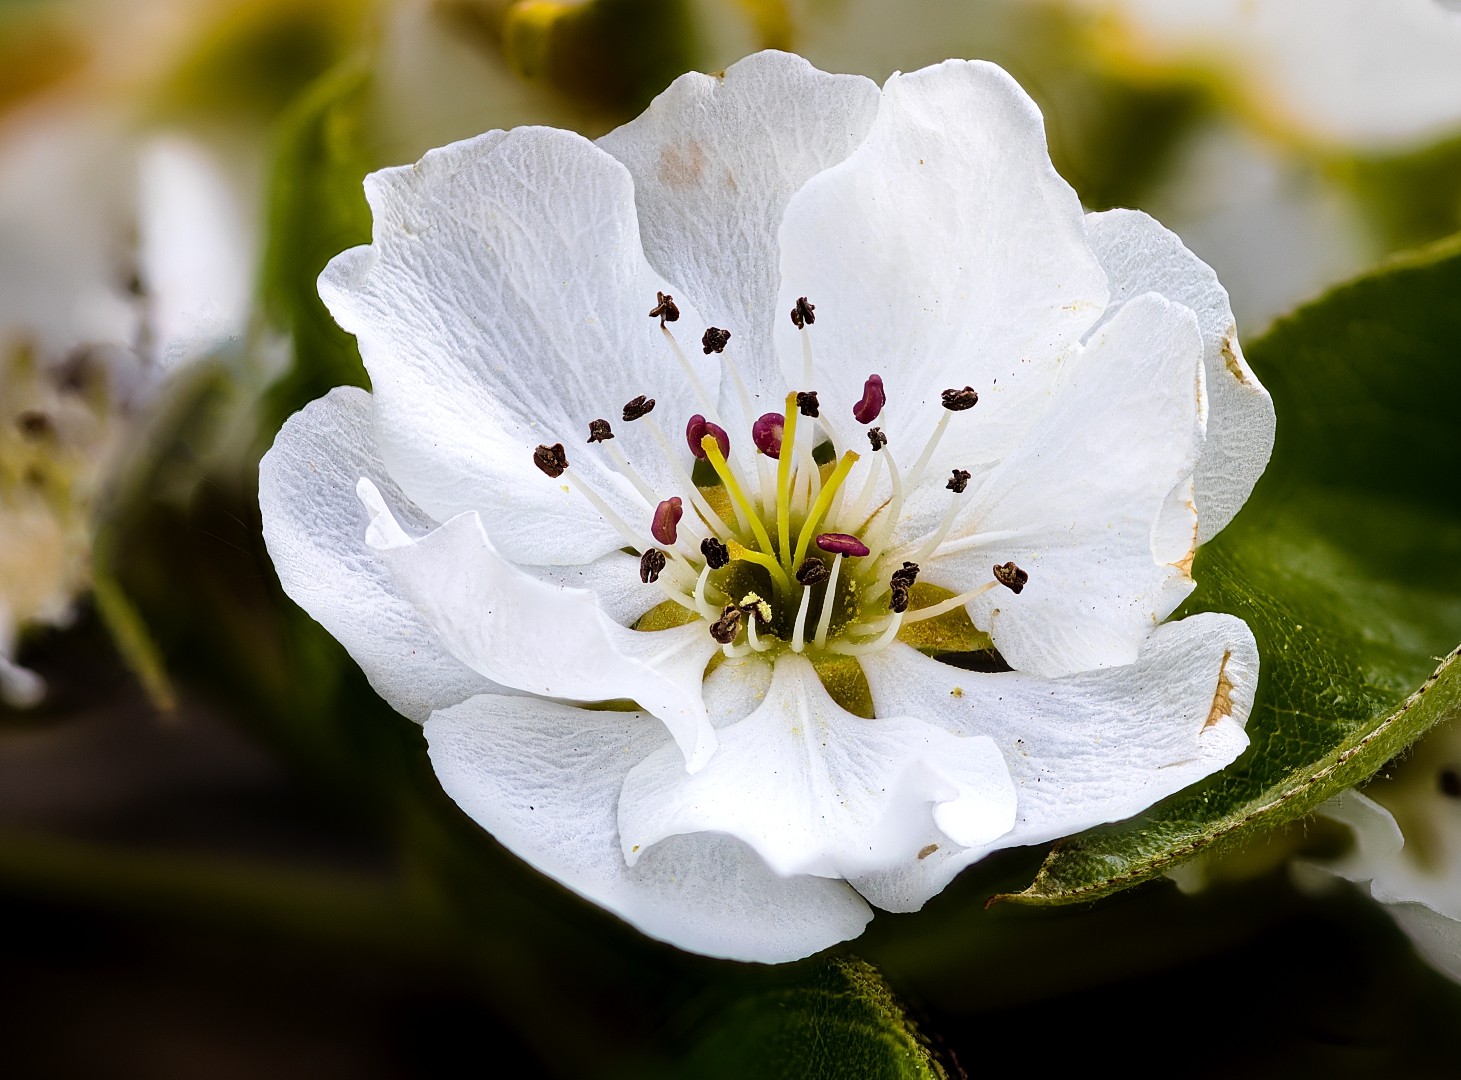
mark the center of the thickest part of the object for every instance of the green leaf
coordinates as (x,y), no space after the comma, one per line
(837,1020)
(317,209)
(1346,564)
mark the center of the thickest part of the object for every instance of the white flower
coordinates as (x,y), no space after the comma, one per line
(486,563)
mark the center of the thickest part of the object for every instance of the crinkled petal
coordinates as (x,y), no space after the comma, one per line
(1086,749)
(816,790)
(544,779)
(1078,503)
(1141,256)
(944,251)
(502,304)
(314,526)
(546,639)
(715,159)
(613,579)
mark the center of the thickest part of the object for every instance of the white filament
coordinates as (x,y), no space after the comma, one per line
(825,620)
(798,637)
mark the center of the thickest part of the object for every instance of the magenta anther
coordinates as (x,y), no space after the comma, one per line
(667,515)
(766,434)
(873,400)
(842,544)
(697,429)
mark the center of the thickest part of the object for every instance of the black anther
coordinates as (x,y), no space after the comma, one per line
(716,554)
(650,564)
(959,481)
(812,572)
(1011,577)
(801,315)
(599,431)
(640,406)
(900,584)
(665,310)
(714,340)
(806,401)
(959,400)
(725,628)
(877,438)
(551,459)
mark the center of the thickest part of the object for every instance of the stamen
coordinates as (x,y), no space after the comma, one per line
(637,407)
(599,431)
(716,555)
(959,481)
(680,598)
(798,633)
(651,563)
(553,460)
(916,473)
(806,403)
(998,536)
(701,603)
(937,538)
(894,510)
(812,572)
(877,438)
(695,383)
(854,518)
(725,628)
(824,500)
(717,460)
(634,536)
(715,340)
(825,620)
(900,584)
(766,434)
(873,400)
(933,611)
(665,309)
(706,511)
(752,639)
(783,482)
(847,648)
(842,544)
(801,315)
(696,432)
(763,473)
(1011,576)
(666,517)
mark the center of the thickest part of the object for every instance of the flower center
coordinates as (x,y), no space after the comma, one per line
(785,557)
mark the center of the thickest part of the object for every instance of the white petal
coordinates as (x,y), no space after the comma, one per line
(613,579)
(1077,503)
(502,304)
(1140,256)
(715,159)
(546,639)
(816,790)
(544,779)
(1086,749)
(944,251)
(314,527)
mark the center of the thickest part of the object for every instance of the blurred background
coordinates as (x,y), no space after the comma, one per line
(221,855)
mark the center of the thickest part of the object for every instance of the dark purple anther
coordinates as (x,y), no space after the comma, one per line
(697,429)
(873,400)
(842,544)
(766,434)
(666,516)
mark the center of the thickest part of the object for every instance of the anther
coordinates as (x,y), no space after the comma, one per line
(725,628)
(812,572)
(751,604)
(667,516)
(801,315)
(959,400)
(599,431)
(716,554)
(900,584)
(665,310)
(650,565)
(806,402)
(697,429)
(766,433)
(1011,577)
(842,544)
(551,459)
(714,340)
(640,406)
(959,481)
(873,400)
(877,438)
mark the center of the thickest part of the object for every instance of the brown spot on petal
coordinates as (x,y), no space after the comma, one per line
(1230,355)
(680,166)
(1222,699)
(927,850)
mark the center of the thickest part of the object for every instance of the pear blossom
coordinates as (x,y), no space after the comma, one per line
(676,440)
